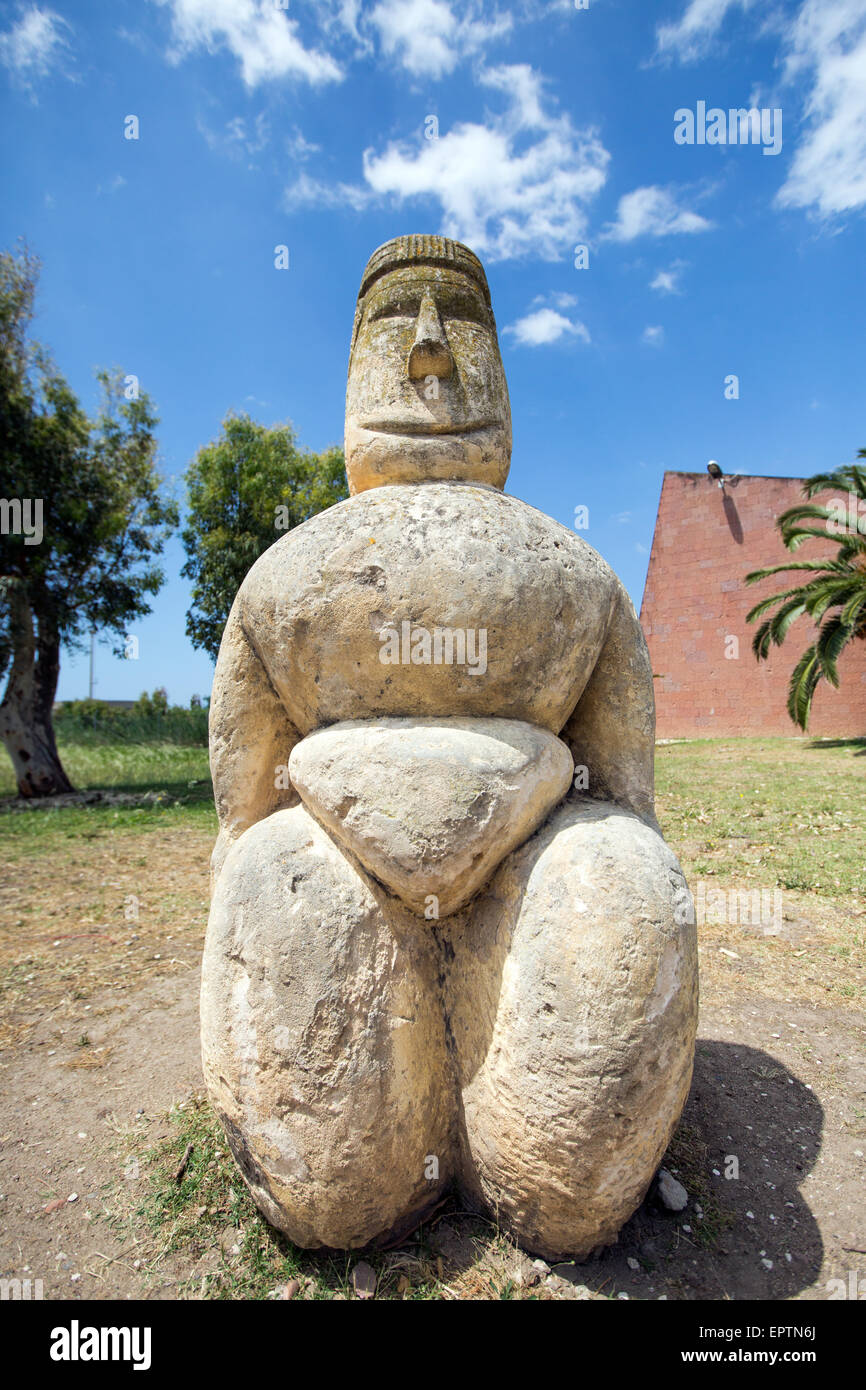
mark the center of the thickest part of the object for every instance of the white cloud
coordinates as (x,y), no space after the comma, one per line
(654,334)
(653,211)
(622,518)
(668,281)
(238,136)
(823,50)
(428,38)
(828,170)
(665,282)
(560,299)
(339,19)
(545,326)
(35,45)
(114,186)
(262,37)
(349,12)
(692,35)
(308,191)
(299,147)
(515,186)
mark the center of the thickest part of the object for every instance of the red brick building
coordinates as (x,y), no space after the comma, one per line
(695,602)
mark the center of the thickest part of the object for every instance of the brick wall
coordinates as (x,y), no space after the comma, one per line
(706,539)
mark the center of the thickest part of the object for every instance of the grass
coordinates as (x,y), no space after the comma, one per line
(687,1159)
(146,785)
(149,721)
(103,895)
(788,812)
(210,1220)
(741,814)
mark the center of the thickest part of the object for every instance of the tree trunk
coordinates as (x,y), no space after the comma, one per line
(25,713)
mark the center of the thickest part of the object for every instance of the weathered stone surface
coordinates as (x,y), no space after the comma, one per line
(320,605)
(431,807)
(572,1000)
(323,1038)
(426,395)
(672,1194)
(534,1046)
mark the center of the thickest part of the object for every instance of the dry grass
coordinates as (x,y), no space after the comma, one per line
(103,916)
(100,899)
(784,818)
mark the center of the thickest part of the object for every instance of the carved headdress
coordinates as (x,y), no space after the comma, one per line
(403,251)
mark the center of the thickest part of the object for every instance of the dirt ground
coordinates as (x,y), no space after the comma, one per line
(771,1148)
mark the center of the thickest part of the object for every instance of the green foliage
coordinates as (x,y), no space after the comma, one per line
(150,720)
(784,812)
(157,703)
(246,489)
(834,595)
(104,515)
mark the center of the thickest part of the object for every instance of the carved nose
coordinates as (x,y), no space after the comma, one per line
(430,354)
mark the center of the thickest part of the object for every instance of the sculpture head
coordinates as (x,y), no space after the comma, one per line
(426,397)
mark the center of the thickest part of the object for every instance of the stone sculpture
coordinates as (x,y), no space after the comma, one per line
(448,946)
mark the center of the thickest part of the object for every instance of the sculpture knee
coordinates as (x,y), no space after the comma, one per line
(322,1038)
(593,964)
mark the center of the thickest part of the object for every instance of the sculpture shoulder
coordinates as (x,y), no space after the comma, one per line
(292,552)
(576,554)
(403,524)
(431,556)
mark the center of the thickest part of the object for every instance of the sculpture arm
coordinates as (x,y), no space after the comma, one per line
(250,736)
(611,731)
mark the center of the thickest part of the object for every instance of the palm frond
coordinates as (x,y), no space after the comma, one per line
(793,536)
(850,477)
(832,639)
(801,688)
(824,594)
(833,591)
(854,612)
(767,603)
(803,511)
(815,565)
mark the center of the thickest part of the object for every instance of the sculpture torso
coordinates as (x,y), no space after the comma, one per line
(430,938)
(318,605)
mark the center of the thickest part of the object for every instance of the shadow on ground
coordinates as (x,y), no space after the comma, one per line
(748,1235)
(747,1117)
(858,744)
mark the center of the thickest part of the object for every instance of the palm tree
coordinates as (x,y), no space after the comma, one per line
(836,591)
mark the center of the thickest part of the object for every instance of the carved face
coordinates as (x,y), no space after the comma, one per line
(426,397)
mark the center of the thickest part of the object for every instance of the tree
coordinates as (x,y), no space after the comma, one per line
(835,592)
(81,517)
(245,489)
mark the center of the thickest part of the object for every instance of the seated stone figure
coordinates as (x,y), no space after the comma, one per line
(448,947)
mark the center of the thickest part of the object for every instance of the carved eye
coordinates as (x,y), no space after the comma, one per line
(474,316)
(470,311)
(396,309)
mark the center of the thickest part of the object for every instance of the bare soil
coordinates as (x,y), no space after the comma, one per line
(100,1040)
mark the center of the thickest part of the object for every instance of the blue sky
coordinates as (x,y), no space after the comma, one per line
(307,124)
